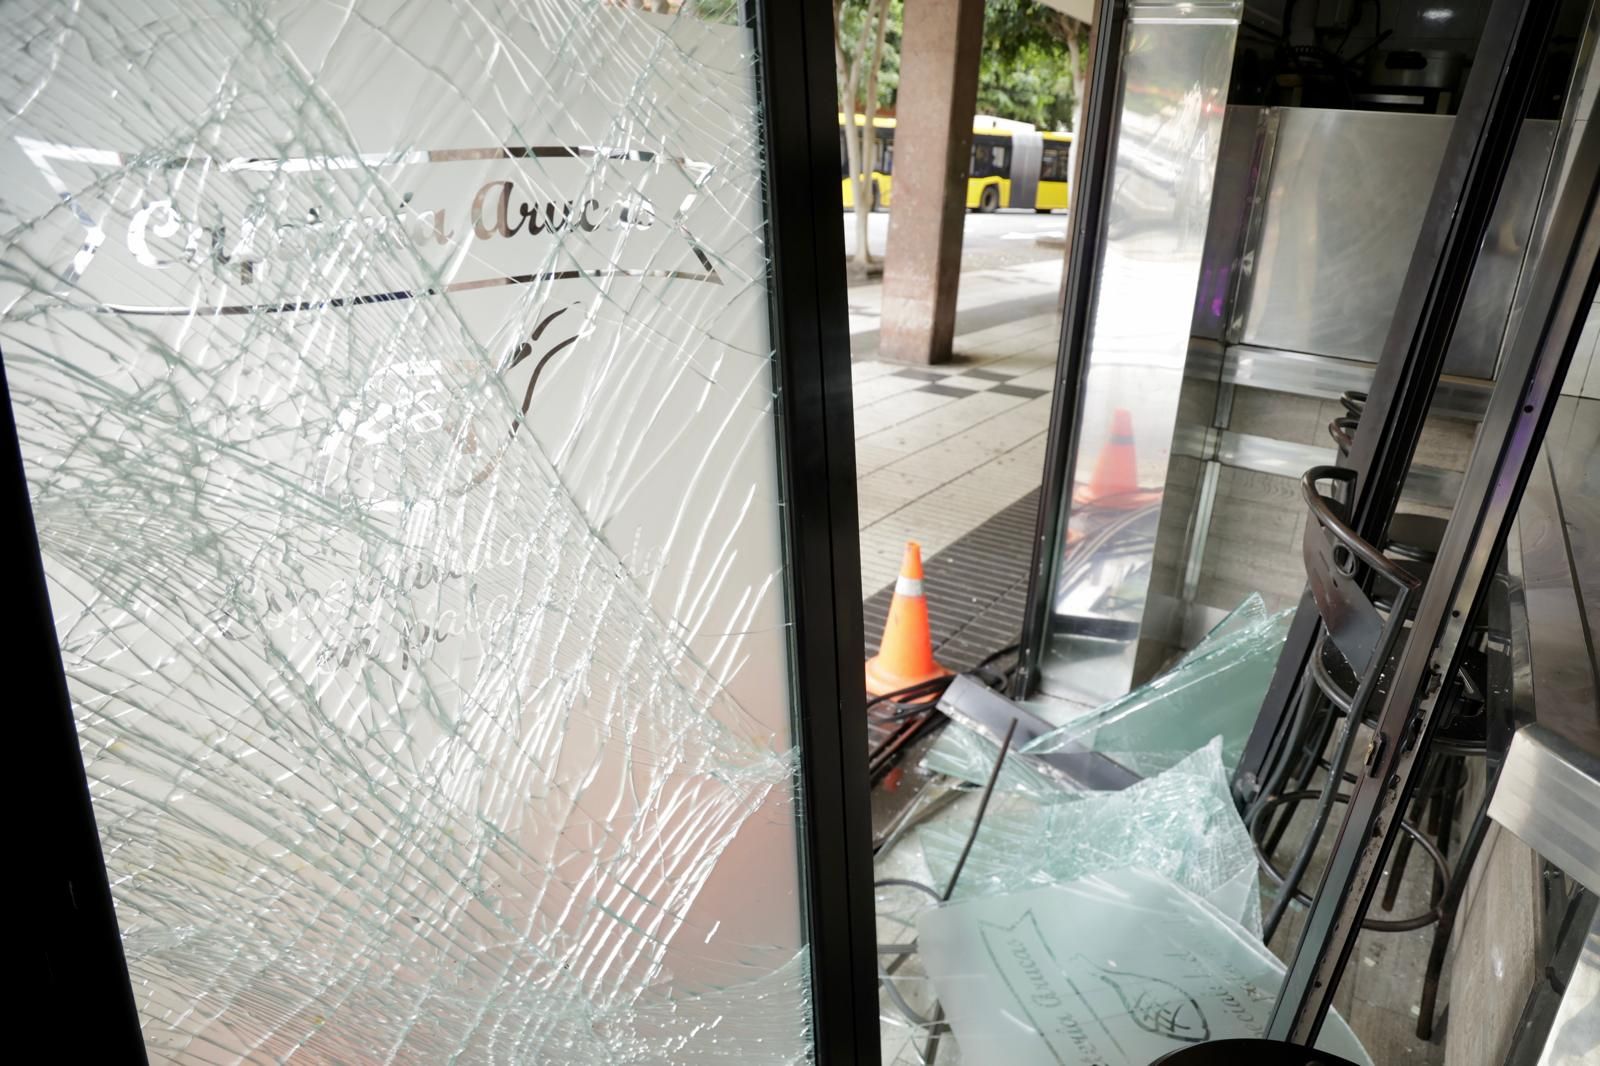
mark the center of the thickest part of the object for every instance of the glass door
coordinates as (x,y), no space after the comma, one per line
(398,393)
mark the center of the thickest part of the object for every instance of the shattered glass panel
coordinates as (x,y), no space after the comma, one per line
(395,385)
(966,755)
(1252,611)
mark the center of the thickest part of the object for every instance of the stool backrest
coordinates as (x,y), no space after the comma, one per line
(1343,432)
(1340,569)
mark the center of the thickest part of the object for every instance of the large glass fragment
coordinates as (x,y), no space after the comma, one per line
(394,380)
(1112,970)
(1180,823)
(1214,690)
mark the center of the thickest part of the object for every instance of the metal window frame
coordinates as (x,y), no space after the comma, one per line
(1090,187)
(77,968)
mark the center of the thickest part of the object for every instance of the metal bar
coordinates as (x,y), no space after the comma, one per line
(1431,485)
(989,714)
(817,457)
(1328,377)
(1477,156)
(1563,285)
(76,968)
(1261,168)
(1094,143)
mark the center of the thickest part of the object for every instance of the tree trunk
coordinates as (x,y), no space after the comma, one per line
(1076,57)
(847,70)
(1079,50)
(865,186)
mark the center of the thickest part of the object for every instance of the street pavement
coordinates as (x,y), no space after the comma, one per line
(1002,239)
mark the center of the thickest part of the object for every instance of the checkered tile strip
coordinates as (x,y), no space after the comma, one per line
(958,382)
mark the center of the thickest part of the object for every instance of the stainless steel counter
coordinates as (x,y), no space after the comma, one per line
(1549,788)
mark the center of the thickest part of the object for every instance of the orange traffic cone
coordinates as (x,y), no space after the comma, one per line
(905,657)
(1115,481)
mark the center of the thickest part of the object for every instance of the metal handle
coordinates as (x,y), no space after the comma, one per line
(1322,510)
(1343,432)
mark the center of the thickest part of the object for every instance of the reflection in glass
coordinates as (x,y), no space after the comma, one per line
(1176,67)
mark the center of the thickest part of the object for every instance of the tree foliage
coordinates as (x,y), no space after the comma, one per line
(1028,70)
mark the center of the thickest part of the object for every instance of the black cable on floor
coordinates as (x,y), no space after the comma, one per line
(904,951)
(983,806)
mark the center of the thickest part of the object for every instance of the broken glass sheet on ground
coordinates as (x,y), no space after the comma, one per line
(1214,690)
(1112,970)
(395,385)
(1180,823)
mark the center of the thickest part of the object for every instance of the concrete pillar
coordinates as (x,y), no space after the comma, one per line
(939,53)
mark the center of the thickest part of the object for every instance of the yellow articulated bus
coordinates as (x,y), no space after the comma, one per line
(1010,168)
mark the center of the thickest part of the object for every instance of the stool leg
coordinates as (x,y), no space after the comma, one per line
(1449,793)
(1437,804)
(1447,913)
(1282,757)
(1397,868)
(1319,821)
(1304,772)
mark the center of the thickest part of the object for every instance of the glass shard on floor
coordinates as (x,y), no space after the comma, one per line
(1180,823)
(1215,690)
(1118,968)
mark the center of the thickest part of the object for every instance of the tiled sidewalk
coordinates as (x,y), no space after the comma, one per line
(940,450)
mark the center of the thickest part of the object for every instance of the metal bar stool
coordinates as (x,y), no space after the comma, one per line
(1356,640)
(1349,665)
(1410,537)
(1413,540)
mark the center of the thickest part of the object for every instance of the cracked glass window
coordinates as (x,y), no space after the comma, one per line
(395,386)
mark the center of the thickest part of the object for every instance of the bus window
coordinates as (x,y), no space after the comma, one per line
(991,159)
(885,156)
(1053,166)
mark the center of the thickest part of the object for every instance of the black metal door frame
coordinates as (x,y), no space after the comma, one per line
(75,969)
(816,419)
